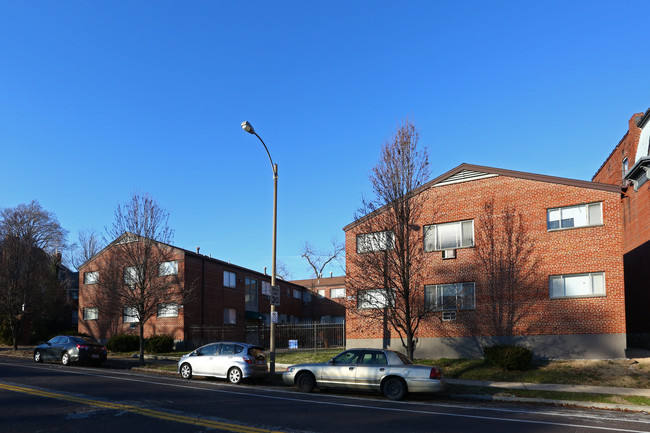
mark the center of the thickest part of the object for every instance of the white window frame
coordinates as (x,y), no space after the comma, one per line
(230,316)
(229,279)
(450,297)
(130,315)
(591,212)
(91,313)
(321,293)
(168,268)
(91,277)
(168,310)
(462,233)
(375,299)
(132,275)
(376,241)
(337,293)
(586,285)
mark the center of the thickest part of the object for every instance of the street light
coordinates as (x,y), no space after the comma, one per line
(249,128)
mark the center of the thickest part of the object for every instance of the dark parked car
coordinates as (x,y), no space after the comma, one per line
(232,361)
(69,348)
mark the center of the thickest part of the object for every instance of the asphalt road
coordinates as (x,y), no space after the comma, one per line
(52,398)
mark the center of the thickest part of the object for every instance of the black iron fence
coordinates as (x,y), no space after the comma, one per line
(313,335)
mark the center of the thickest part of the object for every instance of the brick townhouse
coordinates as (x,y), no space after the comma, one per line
(230,302)
(628,166)
(329,297)
(574,307)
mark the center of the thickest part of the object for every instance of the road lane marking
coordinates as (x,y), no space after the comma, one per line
(166,416)
(130,378)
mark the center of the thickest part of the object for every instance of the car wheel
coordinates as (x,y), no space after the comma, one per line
(234,375)
(305,382)
(394,388)
(65,358)
(37,356)
(186,371)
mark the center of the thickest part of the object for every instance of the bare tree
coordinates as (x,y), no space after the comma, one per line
(318,259)
(282,271)
(90,243)
(508,263)
(139,275)
(385,275)
(29,240)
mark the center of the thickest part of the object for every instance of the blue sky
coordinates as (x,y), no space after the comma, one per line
(102,99)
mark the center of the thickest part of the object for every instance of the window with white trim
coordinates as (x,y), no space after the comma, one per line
(337,293)
(229,279)
(230,316)
(447,236)
(568,217)
(133,275)
(91,313)
(577,285)
(130,315)
(168,310)
(168,268)
(375,298)
(321,293)
(448,297)
(91,277)
(377,241)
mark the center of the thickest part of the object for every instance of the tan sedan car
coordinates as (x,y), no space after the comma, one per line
(385,371)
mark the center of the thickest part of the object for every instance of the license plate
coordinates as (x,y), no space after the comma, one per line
(95,356)
(259,362)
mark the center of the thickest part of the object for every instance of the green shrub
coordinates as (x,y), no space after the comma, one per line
(508,357)
(5,334)
(123,343)
(160,344)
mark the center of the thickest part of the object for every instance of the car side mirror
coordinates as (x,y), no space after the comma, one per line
(331,361)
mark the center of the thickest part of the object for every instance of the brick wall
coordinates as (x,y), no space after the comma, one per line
(571,251)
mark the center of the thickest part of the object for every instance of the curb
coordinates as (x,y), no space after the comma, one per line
(563,403)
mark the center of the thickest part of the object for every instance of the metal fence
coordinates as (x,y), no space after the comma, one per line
(313,335)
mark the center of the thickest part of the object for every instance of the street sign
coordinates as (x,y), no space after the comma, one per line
(274,317)
(275,295)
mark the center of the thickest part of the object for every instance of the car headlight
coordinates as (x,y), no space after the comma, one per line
(290,369)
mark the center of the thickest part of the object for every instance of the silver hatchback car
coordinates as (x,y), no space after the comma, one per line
(232,361)
(386,371)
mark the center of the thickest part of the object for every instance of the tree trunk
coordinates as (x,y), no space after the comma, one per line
(141,343)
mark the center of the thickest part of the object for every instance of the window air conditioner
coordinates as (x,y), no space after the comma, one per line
(448,254)
(448,315)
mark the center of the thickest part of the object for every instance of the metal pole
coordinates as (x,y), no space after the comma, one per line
(273,267)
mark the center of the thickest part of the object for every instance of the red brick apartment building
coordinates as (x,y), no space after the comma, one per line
(628,166)
(329,298)
(229,303)
(573,308)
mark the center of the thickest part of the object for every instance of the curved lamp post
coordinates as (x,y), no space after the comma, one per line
(249,128)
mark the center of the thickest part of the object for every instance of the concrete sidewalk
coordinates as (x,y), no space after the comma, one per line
(587,389)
